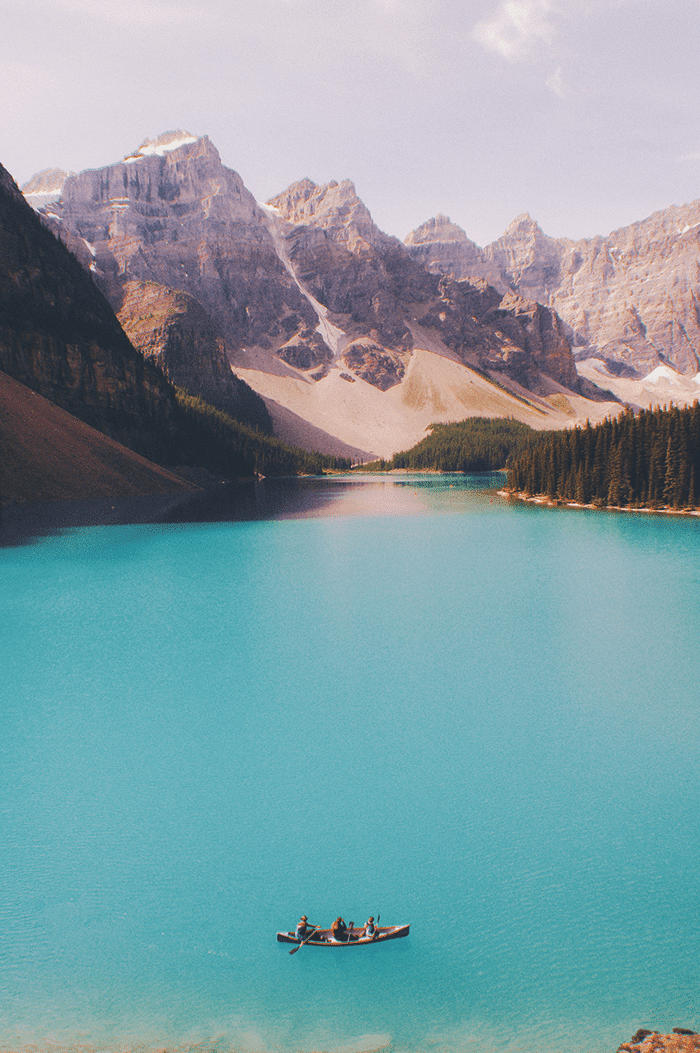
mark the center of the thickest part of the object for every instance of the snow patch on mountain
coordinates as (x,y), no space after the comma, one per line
(666,374)
(162,145)
(663,385)
(333,337)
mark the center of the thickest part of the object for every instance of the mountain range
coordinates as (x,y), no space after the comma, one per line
(355,345)
(357,341)
(630,302)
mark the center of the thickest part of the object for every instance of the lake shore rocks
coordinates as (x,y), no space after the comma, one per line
(680,1040)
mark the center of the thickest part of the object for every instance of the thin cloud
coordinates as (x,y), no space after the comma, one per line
(555,83)
(517,27)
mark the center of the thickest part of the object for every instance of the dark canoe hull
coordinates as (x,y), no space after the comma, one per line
(324,937)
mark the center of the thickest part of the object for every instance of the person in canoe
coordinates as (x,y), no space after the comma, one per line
(370,929)
(303,928)
(339,930)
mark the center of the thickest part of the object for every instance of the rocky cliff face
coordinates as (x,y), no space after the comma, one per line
(310,277)
(631,299)
(291,294)
(347,264)
(444,248)
(174,332)
(373,289)
(172,215)
(59,337)
(506,334)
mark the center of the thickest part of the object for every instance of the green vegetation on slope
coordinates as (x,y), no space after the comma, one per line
(60,338)
(478,444)
(213,440)
(650,460)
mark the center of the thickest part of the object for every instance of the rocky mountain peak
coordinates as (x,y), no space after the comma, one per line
(44,182)
(527,259)
(298,295)
(439,228)
(172,219)
(444,248)
(59,337)
(628,299)
(335,208)
(291,203)
(45,187)
(523,225)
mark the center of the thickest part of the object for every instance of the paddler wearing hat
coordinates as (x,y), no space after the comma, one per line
(304,928)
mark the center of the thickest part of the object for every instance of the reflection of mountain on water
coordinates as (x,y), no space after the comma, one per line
(226,502)
(231,502)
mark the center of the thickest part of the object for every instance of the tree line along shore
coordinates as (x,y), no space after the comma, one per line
(649,459)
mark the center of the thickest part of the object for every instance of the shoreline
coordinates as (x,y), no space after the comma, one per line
(558,502)
(680,1040)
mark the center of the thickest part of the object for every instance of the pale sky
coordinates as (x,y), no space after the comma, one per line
(584,113)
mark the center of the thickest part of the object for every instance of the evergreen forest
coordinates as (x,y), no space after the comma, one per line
(478,444)
(211,439)
(650,459)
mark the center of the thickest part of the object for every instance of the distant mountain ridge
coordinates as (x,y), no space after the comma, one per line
(630,300)
(298,295)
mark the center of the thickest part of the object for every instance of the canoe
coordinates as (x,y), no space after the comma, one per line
(324,937)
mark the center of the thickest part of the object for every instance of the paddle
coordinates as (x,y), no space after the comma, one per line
(295,949)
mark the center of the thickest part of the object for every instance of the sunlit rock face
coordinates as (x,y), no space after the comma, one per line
(173,215)
(174,332)
(45,187)
(631,298)
(375,286)
(294,293)
(59,337)
(507,334)
(444,248)
(348,264)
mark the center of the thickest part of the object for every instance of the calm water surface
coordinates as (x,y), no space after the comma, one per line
(401,696)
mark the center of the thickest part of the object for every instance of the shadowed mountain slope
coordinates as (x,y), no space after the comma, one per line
(59,337)
(47,454)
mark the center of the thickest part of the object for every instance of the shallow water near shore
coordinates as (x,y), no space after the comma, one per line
(401,696)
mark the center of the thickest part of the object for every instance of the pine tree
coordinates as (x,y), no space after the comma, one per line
(615,484)
(580,486)
(671,491)
(692,489)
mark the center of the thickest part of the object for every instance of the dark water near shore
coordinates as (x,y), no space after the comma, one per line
(399,695)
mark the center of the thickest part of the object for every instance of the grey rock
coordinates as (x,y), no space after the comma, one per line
(173,215)
(631,298)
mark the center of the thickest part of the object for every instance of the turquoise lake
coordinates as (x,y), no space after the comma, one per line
(401,696)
